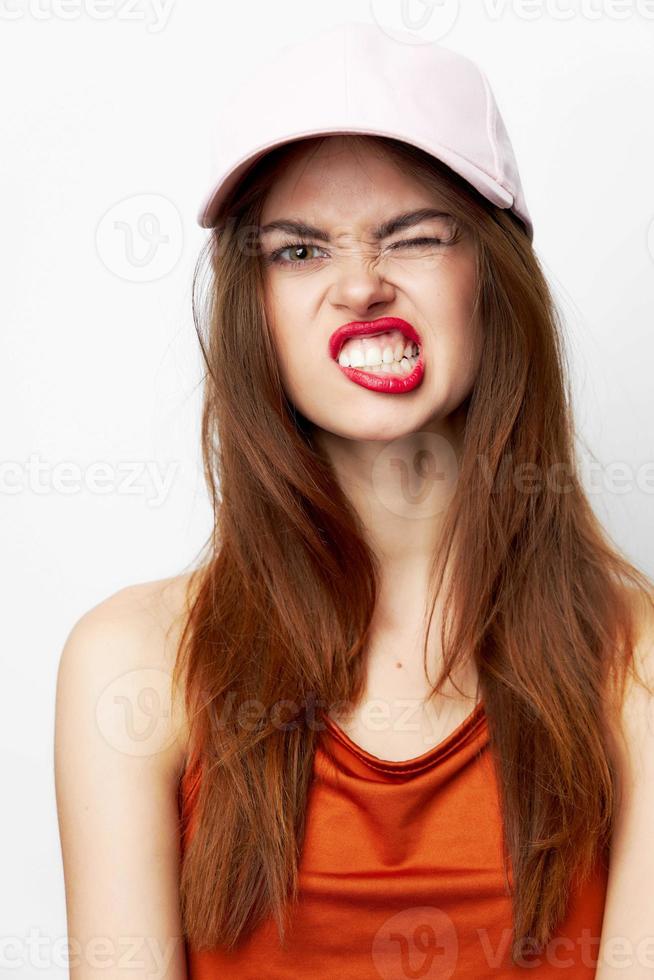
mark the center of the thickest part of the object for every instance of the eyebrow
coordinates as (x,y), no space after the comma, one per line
(397,223)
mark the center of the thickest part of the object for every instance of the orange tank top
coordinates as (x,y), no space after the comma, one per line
(401,875)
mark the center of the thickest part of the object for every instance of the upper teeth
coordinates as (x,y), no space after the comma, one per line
(369,352)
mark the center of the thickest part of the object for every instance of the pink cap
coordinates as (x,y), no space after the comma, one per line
(354,78)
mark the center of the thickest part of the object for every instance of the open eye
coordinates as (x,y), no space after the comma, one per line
(276,256)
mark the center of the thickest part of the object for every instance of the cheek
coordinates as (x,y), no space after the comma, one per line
(277,320)
(466,335)
(466,341)
(457,328)
(285,323)
(461,288)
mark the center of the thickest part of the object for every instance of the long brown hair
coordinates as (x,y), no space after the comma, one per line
(538,595)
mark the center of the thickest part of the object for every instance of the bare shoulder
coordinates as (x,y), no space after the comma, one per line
(123,650)
(120,743)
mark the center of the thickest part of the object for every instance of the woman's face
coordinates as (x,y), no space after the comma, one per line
(348,193)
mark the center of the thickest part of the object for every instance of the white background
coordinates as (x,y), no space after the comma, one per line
(105,102)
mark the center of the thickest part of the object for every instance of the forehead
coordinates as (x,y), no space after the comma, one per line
(339,180)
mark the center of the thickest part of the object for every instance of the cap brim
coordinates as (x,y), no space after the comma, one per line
(479,179)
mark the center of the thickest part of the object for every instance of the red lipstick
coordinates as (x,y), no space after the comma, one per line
(389,383)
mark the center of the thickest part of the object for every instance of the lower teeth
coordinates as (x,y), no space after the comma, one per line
(407,365)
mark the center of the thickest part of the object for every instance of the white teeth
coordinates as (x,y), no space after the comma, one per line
(356,356)
(373,356)
(396,357)
(405,366)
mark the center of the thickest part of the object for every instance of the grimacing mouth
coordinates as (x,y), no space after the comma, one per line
(376,333)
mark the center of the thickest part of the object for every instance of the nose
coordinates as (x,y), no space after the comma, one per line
(359,285)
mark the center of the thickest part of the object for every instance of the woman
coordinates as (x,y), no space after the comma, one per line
(400,666)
